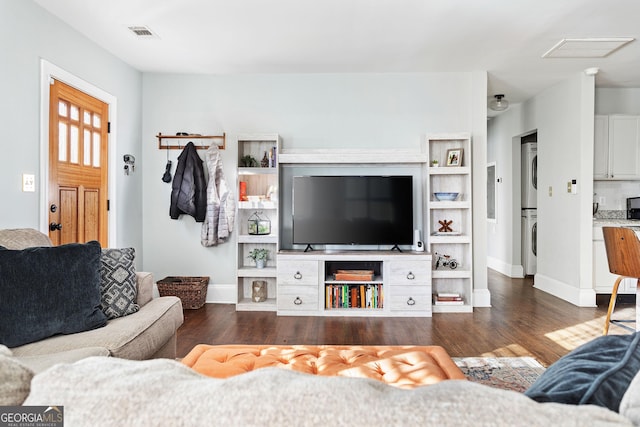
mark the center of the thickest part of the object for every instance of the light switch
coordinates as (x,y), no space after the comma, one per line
(28,182)
(550,191)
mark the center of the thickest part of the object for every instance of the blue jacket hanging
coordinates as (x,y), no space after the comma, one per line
(189,187)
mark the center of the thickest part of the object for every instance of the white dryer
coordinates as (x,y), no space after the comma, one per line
(529,240)
(529,159)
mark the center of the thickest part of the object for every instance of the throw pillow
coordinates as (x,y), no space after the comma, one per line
(15,380)
(597,373)
(48,291)
(118,286)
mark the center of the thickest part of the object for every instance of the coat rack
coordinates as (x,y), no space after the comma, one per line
(221,141)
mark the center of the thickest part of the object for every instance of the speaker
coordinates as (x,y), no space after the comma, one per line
(418,245)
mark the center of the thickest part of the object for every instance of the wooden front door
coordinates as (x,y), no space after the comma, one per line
(78,152)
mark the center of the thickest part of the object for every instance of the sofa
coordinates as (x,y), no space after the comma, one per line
(597,384)
(149,332)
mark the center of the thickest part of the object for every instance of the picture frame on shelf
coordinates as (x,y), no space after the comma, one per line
(454,157)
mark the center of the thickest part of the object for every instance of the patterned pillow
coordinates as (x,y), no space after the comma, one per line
(118,286)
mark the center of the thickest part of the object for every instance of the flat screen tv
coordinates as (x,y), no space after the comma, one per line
(353,210)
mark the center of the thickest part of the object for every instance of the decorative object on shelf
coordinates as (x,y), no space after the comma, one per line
(445,261)
(434,163)
(265,161)
(243,191)
(259,290)
(258,225)
(499,104)
(272,193)
(446,226)
(449,197)
(259,256)
(248,161)
(454,157)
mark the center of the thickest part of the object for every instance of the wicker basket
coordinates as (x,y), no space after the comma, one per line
(191,290)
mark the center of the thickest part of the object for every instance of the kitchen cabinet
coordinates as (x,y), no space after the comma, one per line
(616,147)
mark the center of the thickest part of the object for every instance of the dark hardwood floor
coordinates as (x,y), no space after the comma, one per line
(522,321)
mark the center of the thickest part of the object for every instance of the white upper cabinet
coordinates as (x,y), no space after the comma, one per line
(617,147)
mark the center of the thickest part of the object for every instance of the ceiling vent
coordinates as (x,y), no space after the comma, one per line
(142,32)
(587,48)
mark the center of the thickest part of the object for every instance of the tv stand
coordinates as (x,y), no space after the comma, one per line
(308,248)
(307,284)
(396,247)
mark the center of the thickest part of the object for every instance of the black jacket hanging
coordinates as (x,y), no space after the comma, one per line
(189,187)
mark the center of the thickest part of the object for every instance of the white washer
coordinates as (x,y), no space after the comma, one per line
(529,240)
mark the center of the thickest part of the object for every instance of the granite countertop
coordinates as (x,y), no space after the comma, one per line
(615,218)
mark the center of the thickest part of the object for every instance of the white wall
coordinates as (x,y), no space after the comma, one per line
(563,117)
(27,34)
(377,111)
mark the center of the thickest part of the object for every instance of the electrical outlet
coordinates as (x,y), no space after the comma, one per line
(28,182)
(602,201)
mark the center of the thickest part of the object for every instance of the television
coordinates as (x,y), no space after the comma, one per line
(353,210)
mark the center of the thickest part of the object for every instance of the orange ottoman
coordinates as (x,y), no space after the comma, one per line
(400,366)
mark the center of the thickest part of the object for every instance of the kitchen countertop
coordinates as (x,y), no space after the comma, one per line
(616,222)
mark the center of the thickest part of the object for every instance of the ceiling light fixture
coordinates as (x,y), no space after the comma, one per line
(499,104)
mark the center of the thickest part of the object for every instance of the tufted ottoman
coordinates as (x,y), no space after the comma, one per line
(400,366)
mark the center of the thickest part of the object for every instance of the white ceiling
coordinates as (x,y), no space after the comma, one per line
(505,37)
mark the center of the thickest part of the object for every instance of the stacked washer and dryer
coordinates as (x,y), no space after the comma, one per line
(529,206)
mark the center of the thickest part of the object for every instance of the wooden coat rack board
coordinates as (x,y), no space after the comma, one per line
(222,140)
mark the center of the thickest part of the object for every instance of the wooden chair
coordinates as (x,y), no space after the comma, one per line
(623,253)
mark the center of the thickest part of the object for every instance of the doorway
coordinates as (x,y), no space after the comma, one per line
(77,179)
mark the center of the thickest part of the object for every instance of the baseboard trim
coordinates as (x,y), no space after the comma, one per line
(481,298)
(510,270)
(576,296)
(222,293)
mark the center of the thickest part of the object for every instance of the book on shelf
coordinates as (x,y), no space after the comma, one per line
(448,298)
(354,296)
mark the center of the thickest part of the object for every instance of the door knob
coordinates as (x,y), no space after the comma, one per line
(53,226)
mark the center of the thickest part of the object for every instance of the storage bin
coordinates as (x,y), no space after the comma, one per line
(192,290)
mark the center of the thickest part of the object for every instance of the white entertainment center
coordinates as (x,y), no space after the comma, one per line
(403,282)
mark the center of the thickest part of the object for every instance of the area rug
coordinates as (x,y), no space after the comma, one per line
(509,373)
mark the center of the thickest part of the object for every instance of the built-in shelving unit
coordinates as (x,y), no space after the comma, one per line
(456,243)
(258,195)
(400,285)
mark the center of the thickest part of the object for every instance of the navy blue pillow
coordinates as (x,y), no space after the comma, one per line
(46,291)
(596,373)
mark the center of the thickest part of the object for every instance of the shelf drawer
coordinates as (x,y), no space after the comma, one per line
(298,273)
(410,273)
(301,298)
(417,301)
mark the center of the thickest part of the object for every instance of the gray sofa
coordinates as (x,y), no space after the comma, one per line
(100,391)
(146,334)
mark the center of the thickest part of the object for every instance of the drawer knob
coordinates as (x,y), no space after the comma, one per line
(411,276)
(411,301)
(297,301)
(297,276)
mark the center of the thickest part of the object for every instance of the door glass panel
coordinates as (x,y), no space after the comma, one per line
(86,147)
(96,149)
(62,109)
(73,144)
(96,120)
(75,113)
(62,142)
(86,118)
